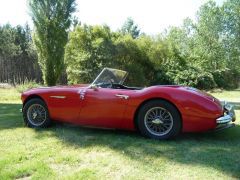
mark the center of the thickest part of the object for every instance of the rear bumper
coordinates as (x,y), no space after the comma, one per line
(221,127)
(226,120)
(229,114)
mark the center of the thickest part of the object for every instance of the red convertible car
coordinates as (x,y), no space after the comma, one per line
(158,112)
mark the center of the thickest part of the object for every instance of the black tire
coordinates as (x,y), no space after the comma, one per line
(42,113)
(172,123)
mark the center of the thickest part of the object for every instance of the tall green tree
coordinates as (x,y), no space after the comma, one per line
(209,37)
(51,19)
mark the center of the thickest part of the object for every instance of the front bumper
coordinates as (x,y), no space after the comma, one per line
(229,114)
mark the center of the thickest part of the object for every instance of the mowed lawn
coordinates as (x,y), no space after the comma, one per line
(70,152)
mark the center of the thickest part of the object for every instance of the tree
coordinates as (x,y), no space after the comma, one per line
(89,50)
(132,58)
(231,30)
(51,19)
(129,27)
(18,61)
(209,37)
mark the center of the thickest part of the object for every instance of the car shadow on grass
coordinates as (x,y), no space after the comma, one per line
(218,150)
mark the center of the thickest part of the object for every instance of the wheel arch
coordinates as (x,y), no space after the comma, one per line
(32,97)
(151,99)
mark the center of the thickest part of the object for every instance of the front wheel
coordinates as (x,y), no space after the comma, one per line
(35,114)
(159,119)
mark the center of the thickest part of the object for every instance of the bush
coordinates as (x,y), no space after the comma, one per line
(206,81)
(130,57)
(227,79)
(194,78)
(161,78)
(91,48)
(88,51)
(148,60)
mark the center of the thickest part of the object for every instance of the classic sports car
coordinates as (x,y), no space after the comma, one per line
(158,112)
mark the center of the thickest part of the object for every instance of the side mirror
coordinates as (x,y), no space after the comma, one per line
(94,87)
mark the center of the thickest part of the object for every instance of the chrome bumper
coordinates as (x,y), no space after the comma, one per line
(229,114)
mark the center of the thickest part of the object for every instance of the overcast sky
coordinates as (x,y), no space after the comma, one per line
(152,16)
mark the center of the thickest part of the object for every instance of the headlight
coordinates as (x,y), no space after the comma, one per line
(228,106)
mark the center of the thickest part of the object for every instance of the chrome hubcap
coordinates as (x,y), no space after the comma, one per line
(36,114)
(158,121)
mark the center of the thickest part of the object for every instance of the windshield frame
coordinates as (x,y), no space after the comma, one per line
(111,69)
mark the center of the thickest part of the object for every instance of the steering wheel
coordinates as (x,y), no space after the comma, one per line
(105,85)
(111,81)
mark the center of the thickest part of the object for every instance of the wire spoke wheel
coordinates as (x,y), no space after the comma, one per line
(158,121)
(36,114)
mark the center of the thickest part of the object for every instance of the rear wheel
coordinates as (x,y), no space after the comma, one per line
(35,113)
(159,119)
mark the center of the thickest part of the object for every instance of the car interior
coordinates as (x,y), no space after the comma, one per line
(117,86)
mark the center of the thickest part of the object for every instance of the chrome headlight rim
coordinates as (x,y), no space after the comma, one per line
(227,106)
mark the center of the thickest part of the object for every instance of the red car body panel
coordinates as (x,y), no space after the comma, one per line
(102,108)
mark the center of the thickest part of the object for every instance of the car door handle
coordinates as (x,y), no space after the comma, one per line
(122,96)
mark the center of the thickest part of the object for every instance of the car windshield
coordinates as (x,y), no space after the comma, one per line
(110,76)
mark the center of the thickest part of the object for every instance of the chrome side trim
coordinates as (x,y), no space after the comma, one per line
(58,97)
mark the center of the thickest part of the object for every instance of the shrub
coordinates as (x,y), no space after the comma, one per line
(193,77)
(88,51)
(227,79)
(206,81)
(161,78)
(91,48)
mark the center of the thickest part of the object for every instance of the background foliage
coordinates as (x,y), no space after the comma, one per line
(203,53)
(18,60)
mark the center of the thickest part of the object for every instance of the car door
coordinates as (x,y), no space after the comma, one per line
(103,107)
(64,104)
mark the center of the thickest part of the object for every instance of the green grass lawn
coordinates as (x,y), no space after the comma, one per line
(233,95)
(70,152)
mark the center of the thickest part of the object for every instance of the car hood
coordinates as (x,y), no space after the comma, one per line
(56,88)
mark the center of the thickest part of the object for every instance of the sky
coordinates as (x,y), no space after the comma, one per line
(152,16)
